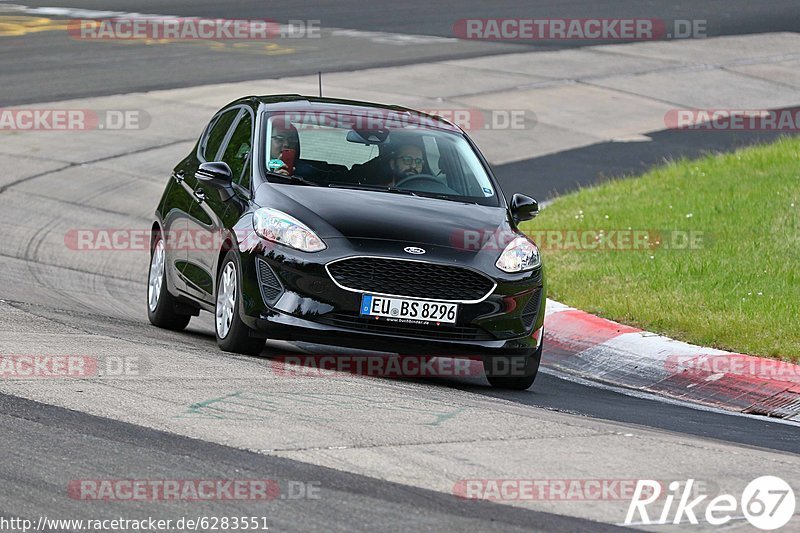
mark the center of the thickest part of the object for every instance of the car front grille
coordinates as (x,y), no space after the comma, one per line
(413,279)
(370,325)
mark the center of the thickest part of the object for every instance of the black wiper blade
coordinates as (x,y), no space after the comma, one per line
(460,199)
(379,188)
(403,191)
(297,179)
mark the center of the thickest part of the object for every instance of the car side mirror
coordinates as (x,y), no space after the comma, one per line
(216,171)
(523,207)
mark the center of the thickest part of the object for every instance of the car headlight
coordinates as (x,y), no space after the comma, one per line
(277,226)
(520,254)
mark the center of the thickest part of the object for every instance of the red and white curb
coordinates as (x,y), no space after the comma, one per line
(593,348)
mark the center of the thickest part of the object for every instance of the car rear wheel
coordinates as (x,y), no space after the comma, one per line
(161,305)
(517,372)
(232,334)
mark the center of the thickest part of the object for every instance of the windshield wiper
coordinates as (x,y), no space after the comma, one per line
(460,199)
(379,188)
(297,179)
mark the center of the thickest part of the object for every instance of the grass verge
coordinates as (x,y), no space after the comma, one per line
(705,251)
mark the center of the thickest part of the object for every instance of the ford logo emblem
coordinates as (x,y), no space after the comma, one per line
(413,250)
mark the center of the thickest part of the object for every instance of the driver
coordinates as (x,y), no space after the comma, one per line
(394,164)
(405,161)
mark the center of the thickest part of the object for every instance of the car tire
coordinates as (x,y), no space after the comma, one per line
(499,379)
(162,307)
(232,334)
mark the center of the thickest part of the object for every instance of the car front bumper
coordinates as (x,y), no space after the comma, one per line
(290,295)
(281,326)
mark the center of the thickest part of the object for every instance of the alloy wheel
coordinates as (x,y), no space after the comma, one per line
(226,300)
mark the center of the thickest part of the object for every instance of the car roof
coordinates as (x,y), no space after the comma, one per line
(300,103)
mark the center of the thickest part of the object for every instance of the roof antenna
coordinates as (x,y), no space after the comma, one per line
(320,83)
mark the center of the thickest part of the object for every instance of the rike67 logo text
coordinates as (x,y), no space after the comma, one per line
(767,502)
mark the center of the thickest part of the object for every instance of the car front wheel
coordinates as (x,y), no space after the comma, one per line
(517,372)
(232,334)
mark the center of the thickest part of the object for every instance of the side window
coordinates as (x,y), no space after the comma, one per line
(245,181)
(237,153)
(216,134)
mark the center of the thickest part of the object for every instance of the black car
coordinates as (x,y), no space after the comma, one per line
(350,224)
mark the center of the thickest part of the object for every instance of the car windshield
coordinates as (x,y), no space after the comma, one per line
(399,153)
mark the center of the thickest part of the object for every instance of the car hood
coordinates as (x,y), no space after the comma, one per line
(358,214)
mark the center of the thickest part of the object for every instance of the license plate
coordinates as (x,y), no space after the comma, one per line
(408,309)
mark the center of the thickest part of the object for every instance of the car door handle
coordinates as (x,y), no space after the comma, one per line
(200,195)
(179,176)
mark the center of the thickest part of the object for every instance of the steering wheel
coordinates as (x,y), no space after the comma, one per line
(419,177)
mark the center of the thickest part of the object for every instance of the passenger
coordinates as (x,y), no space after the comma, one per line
(283,137)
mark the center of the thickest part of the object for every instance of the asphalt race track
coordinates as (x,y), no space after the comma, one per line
(40,65)
(88,443)
(385,454)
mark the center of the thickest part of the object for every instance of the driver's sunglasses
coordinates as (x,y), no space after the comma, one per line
(408,160)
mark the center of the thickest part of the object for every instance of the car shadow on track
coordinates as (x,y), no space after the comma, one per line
(549,392)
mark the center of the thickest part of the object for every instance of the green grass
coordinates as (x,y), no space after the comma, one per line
(738,290)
